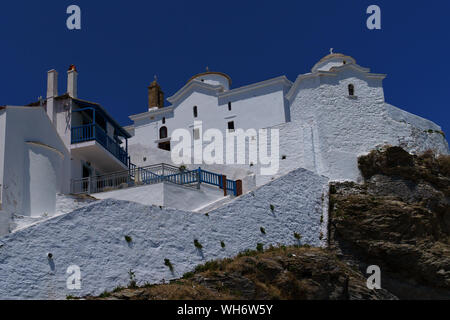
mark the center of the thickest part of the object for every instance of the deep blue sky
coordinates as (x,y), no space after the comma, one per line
(122,44)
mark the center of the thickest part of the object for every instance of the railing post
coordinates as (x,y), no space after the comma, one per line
(199,178)
(224,185)
(89,185)
(238,191)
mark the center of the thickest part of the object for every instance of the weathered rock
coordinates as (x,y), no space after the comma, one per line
(281,273)
(399,220)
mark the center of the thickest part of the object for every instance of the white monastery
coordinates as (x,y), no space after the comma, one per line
(149,210)
(326,119)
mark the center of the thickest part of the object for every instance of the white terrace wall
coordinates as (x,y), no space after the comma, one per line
(93,239)
(167,195)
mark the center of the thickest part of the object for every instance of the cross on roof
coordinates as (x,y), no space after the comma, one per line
(331,50)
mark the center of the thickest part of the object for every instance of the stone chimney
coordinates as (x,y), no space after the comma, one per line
(72,85)
(52,93)
(155,95)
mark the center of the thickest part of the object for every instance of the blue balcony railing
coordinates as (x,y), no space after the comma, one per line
(91,132)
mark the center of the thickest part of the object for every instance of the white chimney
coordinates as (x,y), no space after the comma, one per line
(72,77)
(52,84)
(52,93)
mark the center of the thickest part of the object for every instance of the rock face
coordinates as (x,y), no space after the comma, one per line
(399,219)
(281,273)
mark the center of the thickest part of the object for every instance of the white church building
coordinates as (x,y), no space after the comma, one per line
(325,119)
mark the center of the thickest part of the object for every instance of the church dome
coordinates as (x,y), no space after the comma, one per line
(213,78)
(333,60)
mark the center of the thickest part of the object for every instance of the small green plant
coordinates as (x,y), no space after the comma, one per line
(321,219)
(132,276)
(198,245)
(263,231)
(260,247)
(118,289)
(208,266)
(283,157)
(297,236)
(71,298)
(128,239)
(188,275)
(207,214)
(168,264)
(105,295)
(247,253)
(182,168)
(222,244)
(272,208)
(321,236)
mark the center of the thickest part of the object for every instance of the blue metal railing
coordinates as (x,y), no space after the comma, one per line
(210,178)
(150,175)
(90,132)
(216,180)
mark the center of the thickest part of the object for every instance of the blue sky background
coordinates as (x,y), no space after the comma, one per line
(122,44)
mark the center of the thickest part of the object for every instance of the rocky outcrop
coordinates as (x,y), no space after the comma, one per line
(294,273)
(399,219)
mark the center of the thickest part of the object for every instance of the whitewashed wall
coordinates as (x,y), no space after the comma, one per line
(167,195)
(36,162)
(93,238)
(63,117)
(248,106)
(335,129)
(44,175)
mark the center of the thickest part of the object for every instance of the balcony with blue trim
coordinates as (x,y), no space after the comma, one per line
(97,138)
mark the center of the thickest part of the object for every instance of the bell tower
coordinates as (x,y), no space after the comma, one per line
(155,95)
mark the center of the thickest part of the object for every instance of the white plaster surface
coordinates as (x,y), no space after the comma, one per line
(334,128)
(167,195)
(146,195)
(93,238)
(36,164)
(64,205)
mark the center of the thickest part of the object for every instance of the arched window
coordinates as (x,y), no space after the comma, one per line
(195,112)
(163,133)
(351,90)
